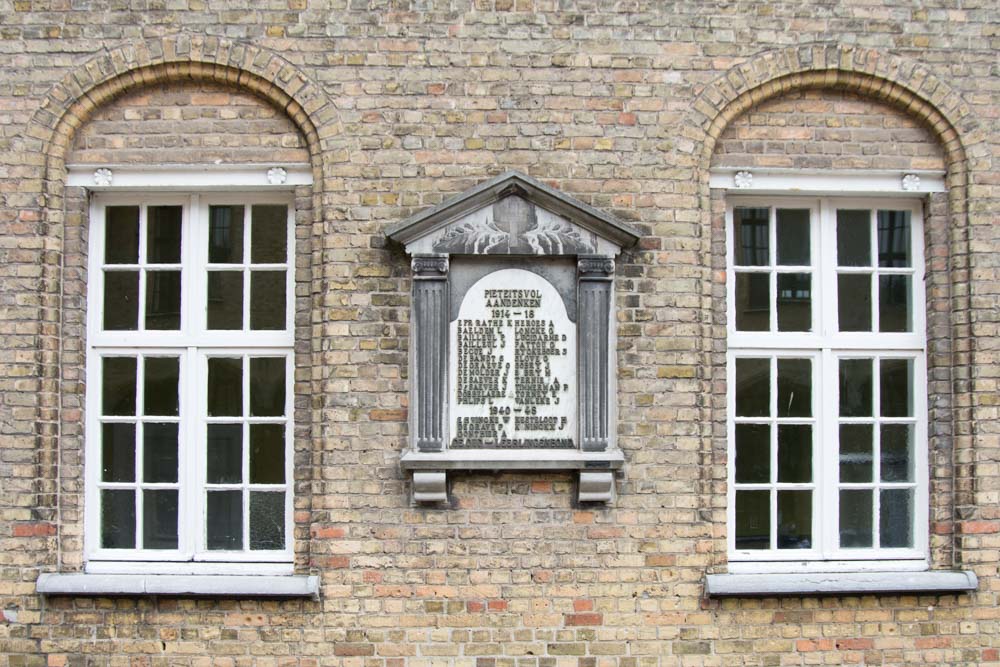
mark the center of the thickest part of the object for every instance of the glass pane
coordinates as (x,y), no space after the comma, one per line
(267,386)
(225,234)
(269,234)
(753,519)
(163,300)
(267,300)
(893,238)
(118,385)
(753,453)
(225,387)
(854,301)
(121,300)
(792,236)
(225,520)
(856,453)
(267,453)
(855,387)
(225,454)
(117,519)
(159,519)
(794,519)
(896,519)
(753,387)
(160,396)
(854,238)
(159,453)
(750,236)
(794,388)
(856,513)
(897,452)
(894,303)
(896,387)
(225,299)
(267,520)
(163,242)
(118,452)
(121,235)
(794,302)
(753,304)
(794,453)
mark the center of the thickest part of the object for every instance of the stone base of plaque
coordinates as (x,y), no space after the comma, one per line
(430,469)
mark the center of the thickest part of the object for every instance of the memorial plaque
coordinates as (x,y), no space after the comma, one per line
(512,367)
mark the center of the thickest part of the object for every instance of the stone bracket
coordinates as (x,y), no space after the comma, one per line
(596,486)
(430,486)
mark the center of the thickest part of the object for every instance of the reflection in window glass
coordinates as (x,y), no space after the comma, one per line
(751,237)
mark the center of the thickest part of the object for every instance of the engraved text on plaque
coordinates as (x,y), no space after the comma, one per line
(513,366)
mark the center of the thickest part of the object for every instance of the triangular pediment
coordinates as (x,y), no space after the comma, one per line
(513,214)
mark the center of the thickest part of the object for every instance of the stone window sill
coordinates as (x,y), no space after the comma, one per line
(246,586)
(838,583)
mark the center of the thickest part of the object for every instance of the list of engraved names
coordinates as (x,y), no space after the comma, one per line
(513,362)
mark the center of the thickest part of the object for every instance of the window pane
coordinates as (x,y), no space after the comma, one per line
(117,519)
(856,518)
(794,453)
(753,387)
(267,300)
(225,520)
(121,235)
(118,453)
(894,309)
(896,387)
(159,453)
(225,454)
(893,238)
(118,385)
(856,453)
(267,520)
(753,454)
(896,520)
(225,299)
(121,300)
(267,454)
(794,519)
(750,236)
(269,234)
(753,519)
(225,234)
(854,301)
(794,388)
(163,300)
(792,236)
(753,304)
(267,386)
(163,242)
(854,238)
(794,302)
(897,452)
(225,387)
(855,387)
(159,519)
(160,386)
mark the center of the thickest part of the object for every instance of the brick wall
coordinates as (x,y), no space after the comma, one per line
(398,106)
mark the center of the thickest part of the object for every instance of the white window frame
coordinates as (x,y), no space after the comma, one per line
(193,343)
(825,345)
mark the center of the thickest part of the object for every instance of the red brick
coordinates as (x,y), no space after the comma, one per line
(585,619)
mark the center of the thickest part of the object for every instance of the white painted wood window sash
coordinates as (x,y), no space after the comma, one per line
(192,344)
(825,346)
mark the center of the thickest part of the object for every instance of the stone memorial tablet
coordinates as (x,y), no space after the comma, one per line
(512,362)
(512,366)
